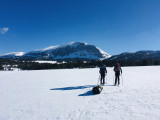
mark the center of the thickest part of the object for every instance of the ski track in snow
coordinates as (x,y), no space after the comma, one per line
(66,95)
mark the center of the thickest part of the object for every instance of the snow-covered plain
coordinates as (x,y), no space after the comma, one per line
(66,95)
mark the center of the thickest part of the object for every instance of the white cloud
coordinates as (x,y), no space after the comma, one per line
(4,30)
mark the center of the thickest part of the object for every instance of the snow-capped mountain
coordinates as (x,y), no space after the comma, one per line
(140,55)
(73,50)
(12,55)
(80,51)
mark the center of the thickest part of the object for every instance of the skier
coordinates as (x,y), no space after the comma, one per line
(117,69)
(103,71)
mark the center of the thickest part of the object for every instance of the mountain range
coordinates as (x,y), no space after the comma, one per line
(80,51)
(71,51)
(135,56)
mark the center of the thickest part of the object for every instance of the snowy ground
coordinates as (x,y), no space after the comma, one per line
(66,95)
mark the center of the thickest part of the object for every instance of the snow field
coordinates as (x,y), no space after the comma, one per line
(66,95)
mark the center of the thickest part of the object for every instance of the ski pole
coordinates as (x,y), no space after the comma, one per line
(113,79)
(98,79)
(106,78)
(122,79)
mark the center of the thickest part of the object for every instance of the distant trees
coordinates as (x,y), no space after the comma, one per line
(29,65)
(1,68)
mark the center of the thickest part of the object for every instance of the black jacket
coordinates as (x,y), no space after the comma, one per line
(103,70)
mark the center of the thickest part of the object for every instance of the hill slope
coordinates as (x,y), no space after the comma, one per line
(139,55)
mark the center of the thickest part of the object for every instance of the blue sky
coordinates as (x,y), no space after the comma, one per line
(115,26)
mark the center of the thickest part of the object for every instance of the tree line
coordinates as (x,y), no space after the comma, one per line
(29,65)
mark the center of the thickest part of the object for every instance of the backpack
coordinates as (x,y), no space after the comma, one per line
(117,69)
(97,89)
(102,69)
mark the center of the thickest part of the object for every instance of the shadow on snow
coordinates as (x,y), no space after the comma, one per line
(73,88)
(89,93)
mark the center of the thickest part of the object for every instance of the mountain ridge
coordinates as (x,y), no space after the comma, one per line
(139,55)
(80,51)
(72,50)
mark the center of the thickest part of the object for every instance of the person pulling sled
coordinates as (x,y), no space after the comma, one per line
(117,69)
(103,72)
(98,89)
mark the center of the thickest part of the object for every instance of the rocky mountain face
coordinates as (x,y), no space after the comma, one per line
(80,51)
(73,50)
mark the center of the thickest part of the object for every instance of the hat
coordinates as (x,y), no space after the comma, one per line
(117,64)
